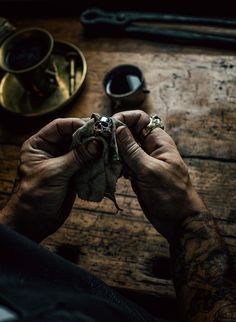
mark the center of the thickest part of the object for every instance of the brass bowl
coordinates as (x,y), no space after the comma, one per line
(15,99)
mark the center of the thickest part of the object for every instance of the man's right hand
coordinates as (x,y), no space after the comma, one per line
(158,174)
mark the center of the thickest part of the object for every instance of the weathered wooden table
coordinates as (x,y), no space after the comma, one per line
(194,91)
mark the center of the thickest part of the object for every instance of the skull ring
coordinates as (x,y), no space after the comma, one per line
(154,122)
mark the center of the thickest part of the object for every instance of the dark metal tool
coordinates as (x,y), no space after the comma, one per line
(125,23)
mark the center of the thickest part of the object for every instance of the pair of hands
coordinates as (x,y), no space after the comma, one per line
(44,196)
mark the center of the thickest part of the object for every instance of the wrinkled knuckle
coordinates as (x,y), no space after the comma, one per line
(118,116)
(50,172)
(163,138)
(24,164)
(30,188)
(140,112)
(44,175)
(183,166)
(25,146)
(56,121)
(143,117)
(178,165)
(133,150)
(22,169)
(181,170)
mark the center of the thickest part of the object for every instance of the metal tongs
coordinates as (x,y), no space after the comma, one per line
(126,23)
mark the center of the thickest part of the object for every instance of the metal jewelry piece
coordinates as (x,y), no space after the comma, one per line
(154,122)
(98,179)
(103,125)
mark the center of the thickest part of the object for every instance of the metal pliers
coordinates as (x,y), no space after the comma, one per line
(126,23)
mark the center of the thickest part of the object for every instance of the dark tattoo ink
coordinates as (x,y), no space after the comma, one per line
(200,267)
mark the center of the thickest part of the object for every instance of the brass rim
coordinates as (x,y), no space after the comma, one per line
(60,105)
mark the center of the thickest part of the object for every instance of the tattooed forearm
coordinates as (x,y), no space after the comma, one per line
(200,265)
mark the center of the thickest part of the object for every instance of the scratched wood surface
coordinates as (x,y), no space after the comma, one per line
(194,91)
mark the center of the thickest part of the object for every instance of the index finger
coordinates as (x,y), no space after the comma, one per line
(157,139)
(57,132)
(59,128)
(135,120)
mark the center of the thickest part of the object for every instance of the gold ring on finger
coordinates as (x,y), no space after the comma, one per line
(154,123)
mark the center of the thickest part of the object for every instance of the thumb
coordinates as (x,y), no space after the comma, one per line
(132,154)
(80,156)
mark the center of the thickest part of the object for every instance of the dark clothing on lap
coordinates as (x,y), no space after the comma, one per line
(41,286)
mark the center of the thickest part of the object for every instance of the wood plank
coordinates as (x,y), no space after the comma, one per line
(107,248)
(193,94)
(193,90)
(221,181)
(125,250)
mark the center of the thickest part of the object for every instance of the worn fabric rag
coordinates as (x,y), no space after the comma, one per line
(98,179)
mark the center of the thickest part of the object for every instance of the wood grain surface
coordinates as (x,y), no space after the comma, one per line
(194,91)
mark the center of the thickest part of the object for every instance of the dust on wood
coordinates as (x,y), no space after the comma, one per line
(194,91)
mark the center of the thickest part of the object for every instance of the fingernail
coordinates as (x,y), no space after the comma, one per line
(94,148)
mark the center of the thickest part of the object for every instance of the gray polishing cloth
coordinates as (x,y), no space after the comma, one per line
(98,178)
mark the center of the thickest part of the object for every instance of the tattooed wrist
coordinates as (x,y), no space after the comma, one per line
(200,266)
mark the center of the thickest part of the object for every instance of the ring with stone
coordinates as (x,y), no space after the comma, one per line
(154,123)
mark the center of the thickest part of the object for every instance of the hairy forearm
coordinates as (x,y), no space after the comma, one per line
(200,266)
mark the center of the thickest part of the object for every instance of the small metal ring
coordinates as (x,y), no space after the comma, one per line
(154,123)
